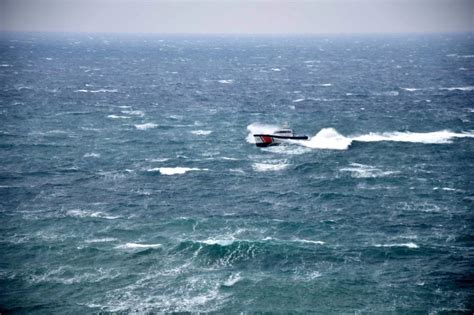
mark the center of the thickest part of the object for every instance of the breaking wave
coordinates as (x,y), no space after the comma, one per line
(146,126)
(138,246)
(175,170)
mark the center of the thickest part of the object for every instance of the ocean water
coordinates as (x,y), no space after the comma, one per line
(129,181)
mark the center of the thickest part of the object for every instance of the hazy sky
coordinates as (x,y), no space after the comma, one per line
(238,16)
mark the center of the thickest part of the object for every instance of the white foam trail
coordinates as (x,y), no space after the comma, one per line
(136,245)
(460,88)
(276,69)
(175,170)
(201,132)
(146,126)
(298,100)
(327,138)
(444,136)
(408,245)
(325,84)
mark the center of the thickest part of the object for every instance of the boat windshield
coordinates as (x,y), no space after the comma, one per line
(284,131)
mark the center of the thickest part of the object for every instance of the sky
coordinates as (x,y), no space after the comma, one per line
(238,16)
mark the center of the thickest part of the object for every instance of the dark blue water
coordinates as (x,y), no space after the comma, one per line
(129,182)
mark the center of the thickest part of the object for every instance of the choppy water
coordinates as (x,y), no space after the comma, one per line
(128,180)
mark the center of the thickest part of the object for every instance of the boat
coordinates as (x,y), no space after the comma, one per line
(277,137)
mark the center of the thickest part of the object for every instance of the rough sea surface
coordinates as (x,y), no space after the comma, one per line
(129,181)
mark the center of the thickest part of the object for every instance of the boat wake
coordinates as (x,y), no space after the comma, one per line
(331,139)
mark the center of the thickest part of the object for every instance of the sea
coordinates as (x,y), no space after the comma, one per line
(130,181)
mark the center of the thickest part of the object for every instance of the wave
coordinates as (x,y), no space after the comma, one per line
(408,245)
(233,279)
(175,170)
(97,91)
(458,88)
(92,155)
(77,213)
(138,246)
(268,167)
(259,128)
(146,126)
(118,117)
(134,112)
(101,240)
(287,149)
(366,171)
(201,132)
(226,81)
(309,241)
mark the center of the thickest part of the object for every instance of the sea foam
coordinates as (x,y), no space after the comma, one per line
(175,170)
(146,126)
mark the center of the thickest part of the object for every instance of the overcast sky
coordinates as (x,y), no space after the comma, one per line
(238,16)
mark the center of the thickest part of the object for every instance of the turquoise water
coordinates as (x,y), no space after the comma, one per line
(129,181)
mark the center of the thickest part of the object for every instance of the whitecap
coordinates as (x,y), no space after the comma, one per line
(146,126)
(5,65)
(411,89)
(97,91)
(92,155)
(118,117)
(276,69)
(221,242)
(201,132)
(408,245)
(287,149)
(309,241)
(233,279)
(226,81)
(101,240)
(138,246)
(78,213)
(158,160)
(298,100)
(458,88)
(269,167)
(228,158)
(325,84)
(175,170)
(134,112)
(366,171)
